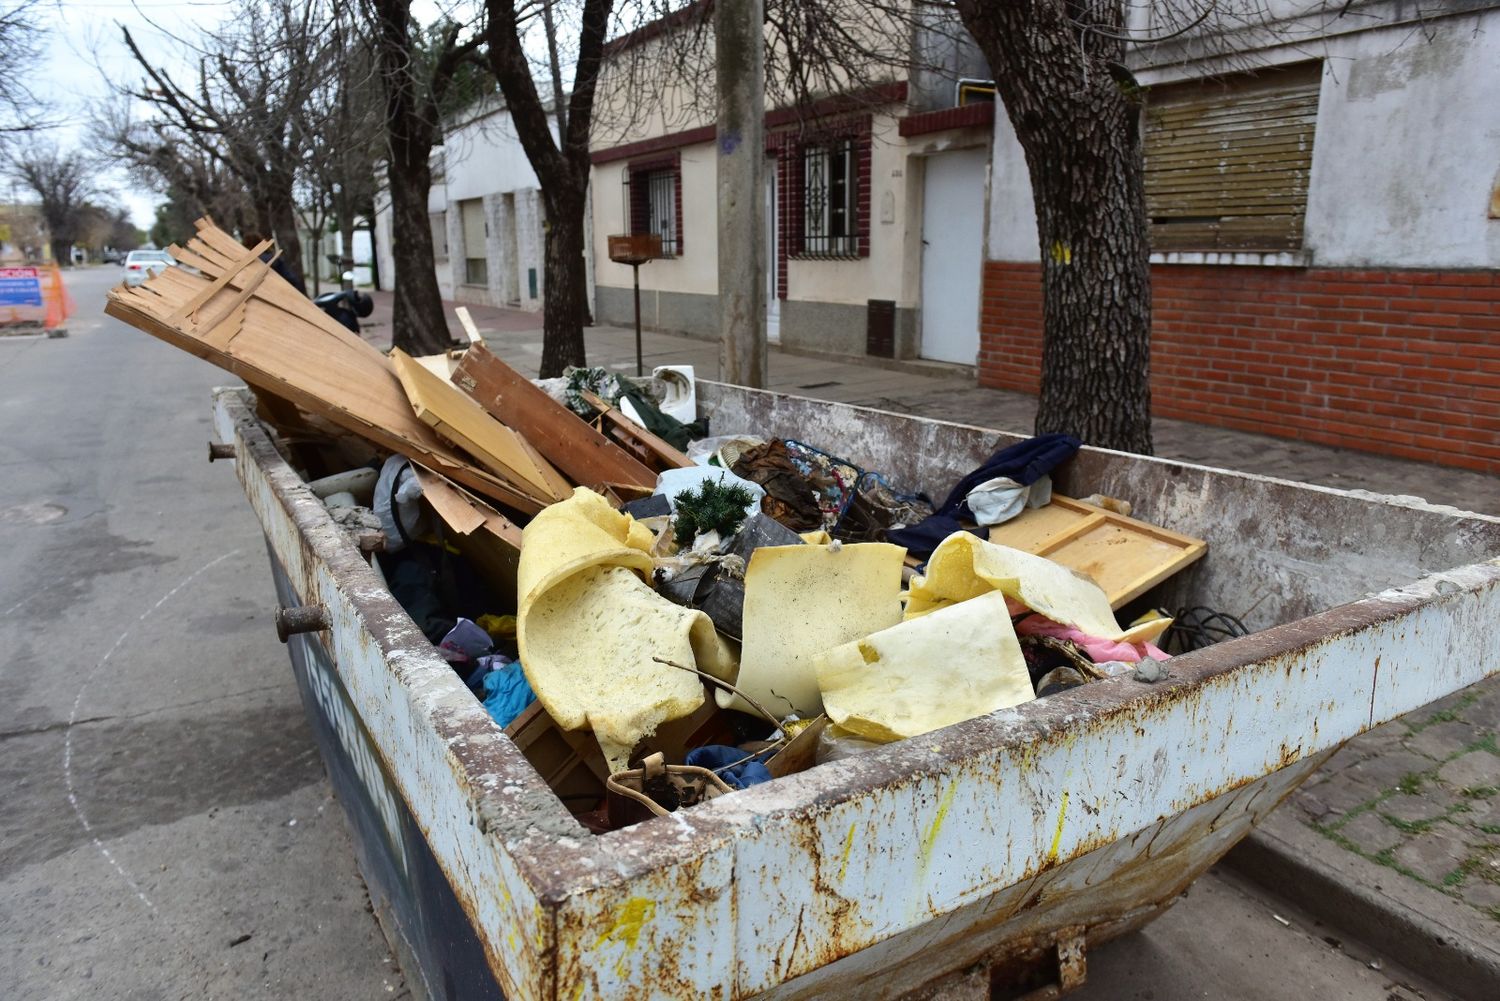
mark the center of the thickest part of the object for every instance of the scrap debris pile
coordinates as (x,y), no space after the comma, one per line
(658,617)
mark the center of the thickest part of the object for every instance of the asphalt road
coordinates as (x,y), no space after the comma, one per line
(166,829)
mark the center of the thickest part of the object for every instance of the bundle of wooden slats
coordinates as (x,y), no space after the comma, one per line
(490,429)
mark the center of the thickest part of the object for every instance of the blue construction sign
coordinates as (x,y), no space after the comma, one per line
(20,287)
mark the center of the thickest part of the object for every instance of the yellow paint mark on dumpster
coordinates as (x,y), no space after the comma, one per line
(629,919)
(937,823)
(848,848)
(1062,813)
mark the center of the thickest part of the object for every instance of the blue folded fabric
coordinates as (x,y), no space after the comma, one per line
(716,756)
(507,693)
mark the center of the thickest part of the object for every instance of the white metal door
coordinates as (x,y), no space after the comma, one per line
(952,252)
(773,304)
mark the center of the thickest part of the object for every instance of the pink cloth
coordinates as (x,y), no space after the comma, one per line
(1099,650)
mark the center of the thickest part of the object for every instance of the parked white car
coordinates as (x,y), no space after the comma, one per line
(142,264)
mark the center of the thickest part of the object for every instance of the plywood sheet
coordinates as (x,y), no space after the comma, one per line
(279,342)
(443,407)
(581,452)
(1124,556)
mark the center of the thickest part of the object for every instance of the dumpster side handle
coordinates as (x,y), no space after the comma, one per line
(302,619)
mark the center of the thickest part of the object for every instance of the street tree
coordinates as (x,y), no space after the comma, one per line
(63,182)
(345,114)
(419,73)
(253,77)
(1059,68)
(157,156)
(559,157)
(21,39)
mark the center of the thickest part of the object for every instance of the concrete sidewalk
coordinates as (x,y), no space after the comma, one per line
(1397,838)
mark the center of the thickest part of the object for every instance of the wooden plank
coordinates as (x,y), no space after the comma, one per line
(1124,556)
(563,437)
(649,442)
(325,371)
(463,512)
(457,418)
(198,300)
(467,322)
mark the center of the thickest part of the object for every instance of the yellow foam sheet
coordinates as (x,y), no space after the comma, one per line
(589,627)
(801,601)
(956,663)
(964,567)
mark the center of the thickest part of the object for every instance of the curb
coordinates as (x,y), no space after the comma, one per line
(1425,931)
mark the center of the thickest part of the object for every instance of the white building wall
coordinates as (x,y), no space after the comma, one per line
(1404,162)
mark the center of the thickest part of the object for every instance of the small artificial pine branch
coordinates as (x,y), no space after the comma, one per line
(711,506)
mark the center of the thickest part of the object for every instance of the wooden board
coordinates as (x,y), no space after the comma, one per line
(645,443)
(464,513)
(279,342)
(1124,556)
(440,405)
(585,455)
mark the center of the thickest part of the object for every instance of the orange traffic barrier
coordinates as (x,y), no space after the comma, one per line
(34,294)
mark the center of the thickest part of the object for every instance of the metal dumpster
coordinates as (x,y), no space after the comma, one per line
(1017,839)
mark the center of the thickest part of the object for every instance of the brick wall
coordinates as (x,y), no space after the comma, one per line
(1405,363)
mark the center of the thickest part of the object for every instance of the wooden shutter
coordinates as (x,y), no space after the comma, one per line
(1227,161)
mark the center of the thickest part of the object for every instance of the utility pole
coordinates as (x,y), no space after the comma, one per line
(740,45)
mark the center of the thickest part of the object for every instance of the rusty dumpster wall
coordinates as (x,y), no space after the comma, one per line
(908,851)
(1278,551)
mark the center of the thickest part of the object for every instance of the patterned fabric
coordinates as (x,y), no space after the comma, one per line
(833,479)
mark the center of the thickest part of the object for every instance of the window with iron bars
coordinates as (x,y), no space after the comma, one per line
(830,186)
(651,201)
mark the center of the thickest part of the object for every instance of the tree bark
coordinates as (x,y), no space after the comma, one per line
(565,278)
(561,166)
(418,324)
(1058,67)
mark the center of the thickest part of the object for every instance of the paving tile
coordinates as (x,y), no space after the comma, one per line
(1333,799)
(1385,771)
(1485,713)
(1371,834)
(1475,770)
(1434,854)
(1482,813)
(1441,741)
(1430,803)
(1482,894)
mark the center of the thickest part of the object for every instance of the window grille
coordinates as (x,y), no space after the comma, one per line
(829,224)
(651,205)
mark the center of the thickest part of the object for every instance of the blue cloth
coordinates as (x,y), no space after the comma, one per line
(715,757)
(507,693)
(1025,462)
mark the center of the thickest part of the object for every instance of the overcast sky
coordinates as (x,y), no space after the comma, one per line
(85,55)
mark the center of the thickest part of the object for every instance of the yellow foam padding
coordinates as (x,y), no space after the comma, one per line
(956,663)
(802,600)
(965,566)
(589,626)
(817,537)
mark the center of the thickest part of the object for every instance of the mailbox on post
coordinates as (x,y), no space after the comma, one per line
(635,249)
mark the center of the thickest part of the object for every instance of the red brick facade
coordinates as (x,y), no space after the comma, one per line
(1405,363)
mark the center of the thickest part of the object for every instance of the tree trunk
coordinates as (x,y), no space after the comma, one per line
(417,322)
(62,253)
(283,218)
(1076,114)
(566,279)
